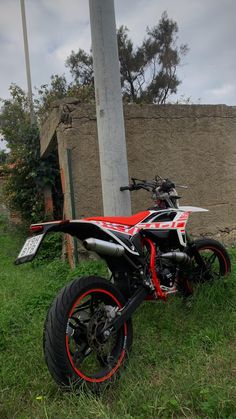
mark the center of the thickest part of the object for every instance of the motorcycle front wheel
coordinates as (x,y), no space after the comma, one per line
(209,262)
(75,350)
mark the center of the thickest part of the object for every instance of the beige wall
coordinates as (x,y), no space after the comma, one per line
(191,144)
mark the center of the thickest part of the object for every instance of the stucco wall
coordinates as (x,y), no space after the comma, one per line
(191,144)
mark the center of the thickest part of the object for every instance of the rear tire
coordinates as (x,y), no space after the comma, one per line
(74,351)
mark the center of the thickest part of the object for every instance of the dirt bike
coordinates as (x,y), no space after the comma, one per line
(150,255)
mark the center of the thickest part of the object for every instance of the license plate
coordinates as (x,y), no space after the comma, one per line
(29,249)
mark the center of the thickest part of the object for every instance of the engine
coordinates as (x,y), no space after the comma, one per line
(166,272)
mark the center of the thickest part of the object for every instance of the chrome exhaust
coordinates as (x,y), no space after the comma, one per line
(178,257)
(104,248)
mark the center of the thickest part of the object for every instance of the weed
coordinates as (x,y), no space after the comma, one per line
(183,362)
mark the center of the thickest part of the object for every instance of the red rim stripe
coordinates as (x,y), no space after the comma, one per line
(109,375)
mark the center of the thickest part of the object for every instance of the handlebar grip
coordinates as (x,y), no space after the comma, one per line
(125,188)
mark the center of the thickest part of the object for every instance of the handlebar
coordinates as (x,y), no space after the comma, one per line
(162,190)
(164,185)
(137,186)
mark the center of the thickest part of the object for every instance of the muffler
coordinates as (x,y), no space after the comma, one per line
(103,248)
(178,257)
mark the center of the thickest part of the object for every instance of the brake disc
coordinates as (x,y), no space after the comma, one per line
(96,340)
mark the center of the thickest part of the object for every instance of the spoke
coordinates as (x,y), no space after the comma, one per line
(215,274)
(78,357)
(82,307)
(107,360)
(212,258)
(90,352)
(93,303)
(81,356)
(79,325)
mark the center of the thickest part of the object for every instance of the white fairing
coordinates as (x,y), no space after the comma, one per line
(192,209)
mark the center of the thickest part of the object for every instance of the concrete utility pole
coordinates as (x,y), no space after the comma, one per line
(110,119)
(27,62)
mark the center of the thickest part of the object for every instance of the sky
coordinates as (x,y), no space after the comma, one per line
(55,27)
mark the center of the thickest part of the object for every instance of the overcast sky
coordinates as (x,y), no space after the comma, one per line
(55,27)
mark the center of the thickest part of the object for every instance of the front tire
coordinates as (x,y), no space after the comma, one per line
(210,261)
(75,352)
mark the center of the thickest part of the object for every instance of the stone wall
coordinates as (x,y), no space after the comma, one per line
(192,144)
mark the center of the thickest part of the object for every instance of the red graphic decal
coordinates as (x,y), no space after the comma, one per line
(179,223)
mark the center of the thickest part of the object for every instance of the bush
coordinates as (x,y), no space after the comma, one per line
(50,249)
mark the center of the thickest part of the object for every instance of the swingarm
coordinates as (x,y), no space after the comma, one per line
(124,314)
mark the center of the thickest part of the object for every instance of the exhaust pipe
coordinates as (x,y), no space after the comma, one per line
(104,248)
(178,257)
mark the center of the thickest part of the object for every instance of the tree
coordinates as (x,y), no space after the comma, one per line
(57,89)
(148,72)
(81,67)
(3,157)
(60,88)
(163,57)
(27,173)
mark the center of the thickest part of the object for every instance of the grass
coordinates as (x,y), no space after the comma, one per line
(183,363)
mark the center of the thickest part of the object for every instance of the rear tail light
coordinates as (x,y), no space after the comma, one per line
(36,228)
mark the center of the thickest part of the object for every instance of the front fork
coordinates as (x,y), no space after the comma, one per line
(193,252)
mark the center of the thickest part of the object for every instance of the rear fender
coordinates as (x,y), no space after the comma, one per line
(38,233)
(78,228)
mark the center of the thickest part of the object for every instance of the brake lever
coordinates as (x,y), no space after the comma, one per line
(139,180)
(181,186)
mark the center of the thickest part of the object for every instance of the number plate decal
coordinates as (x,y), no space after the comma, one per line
(31,246)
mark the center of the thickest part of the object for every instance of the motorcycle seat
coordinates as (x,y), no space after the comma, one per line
(128,221)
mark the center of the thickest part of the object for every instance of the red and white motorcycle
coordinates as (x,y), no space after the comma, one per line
(150,255)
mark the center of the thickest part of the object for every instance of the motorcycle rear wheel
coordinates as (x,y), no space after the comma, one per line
(216,264)
(75,352)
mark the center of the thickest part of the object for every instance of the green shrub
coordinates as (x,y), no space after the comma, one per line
(50,249)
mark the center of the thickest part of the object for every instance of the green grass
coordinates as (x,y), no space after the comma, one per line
(183,363)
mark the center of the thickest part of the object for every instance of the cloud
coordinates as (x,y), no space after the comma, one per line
(222,93)
(55,27)
(224,90)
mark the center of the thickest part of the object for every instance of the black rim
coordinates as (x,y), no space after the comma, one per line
(213,265)
(94,357)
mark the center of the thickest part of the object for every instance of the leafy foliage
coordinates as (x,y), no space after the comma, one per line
(27,173)
(81,67)
(3,156)
(149,71)
(50,250)
(58,89)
